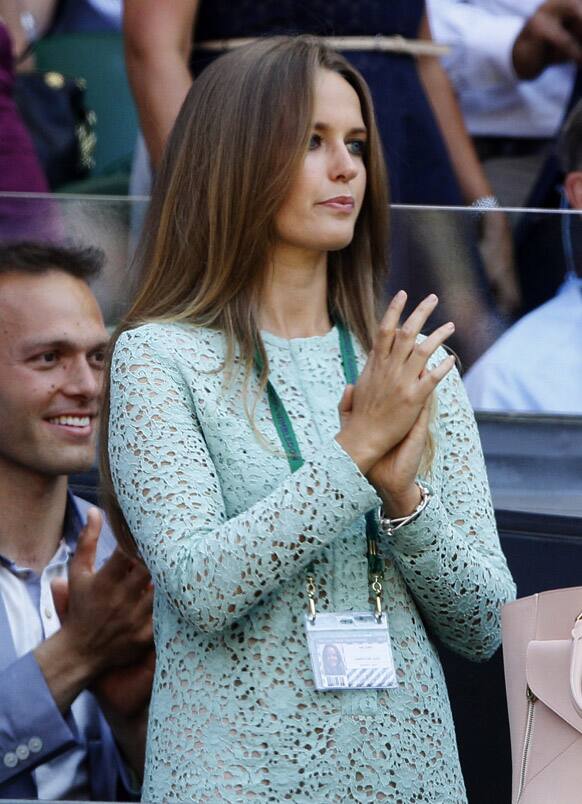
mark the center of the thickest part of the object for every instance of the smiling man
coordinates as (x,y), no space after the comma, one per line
(75,642)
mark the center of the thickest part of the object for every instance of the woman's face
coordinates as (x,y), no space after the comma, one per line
(332,658)
(320,212)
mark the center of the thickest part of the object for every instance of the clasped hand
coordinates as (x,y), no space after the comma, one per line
(385,415)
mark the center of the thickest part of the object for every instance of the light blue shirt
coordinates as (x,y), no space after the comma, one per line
(536,365)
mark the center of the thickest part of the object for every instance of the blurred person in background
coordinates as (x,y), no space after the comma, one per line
(430,157)
(75,614)
(20,169)
(512,64)
(23,23)
(536,366)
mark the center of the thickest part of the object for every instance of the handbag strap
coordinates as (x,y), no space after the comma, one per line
(576,665)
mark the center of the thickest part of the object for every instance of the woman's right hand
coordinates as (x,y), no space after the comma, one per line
(394,385)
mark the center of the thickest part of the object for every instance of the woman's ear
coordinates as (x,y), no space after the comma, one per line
(573,187)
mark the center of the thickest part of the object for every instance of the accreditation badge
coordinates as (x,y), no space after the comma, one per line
(350,651)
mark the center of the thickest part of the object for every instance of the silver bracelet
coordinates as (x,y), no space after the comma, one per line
(390,526)
(486,202)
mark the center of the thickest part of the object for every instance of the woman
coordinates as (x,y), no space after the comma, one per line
(333,664)
(430,156)
(264,255)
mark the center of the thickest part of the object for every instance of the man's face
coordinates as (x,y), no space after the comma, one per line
(52,341)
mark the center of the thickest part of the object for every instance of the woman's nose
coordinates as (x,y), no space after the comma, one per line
(344,166)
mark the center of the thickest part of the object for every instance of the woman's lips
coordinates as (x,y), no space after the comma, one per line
(343,203)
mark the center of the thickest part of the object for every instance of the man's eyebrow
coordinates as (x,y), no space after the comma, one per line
(61,344)
(357,130)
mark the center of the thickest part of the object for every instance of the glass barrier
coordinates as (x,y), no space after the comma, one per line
(507,278)
(106,222)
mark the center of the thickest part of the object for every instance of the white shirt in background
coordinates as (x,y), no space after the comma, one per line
(494,101)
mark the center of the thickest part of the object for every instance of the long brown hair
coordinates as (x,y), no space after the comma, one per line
(230,162)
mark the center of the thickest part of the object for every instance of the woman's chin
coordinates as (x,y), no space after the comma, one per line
(337,242)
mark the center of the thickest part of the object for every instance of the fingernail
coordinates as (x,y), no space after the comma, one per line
(450,326)
(401,294)
(433,297)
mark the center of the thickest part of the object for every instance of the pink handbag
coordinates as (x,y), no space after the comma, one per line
(542,655)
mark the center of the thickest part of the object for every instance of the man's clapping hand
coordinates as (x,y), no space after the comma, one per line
(105,642)
(105,618)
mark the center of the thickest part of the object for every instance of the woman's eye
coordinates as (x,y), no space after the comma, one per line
(48,358)
(314,142)
(357,147)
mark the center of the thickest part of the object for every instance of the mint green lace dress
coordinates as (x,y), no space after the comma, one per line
(227,533)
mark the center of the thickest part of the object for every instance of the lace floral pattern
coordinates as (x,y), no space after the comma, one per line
(227,532)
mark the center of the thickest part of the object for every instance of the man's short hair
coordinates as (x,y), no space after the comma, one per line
(29,257)
(570,141)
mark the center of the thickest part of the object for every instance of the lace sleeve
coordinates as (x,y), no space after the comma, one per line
(450,556)
(211,569)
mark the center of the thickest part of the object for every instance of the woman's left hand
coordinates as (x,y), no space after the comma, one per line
(394,475)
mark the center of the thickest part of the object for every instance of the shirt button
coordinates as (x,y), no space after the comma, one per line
(48,613)
(10,759)
(22,752)
(35,744)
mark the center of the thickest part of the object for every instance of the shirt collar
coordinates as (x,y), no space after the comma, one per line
(72,526)
(73,522)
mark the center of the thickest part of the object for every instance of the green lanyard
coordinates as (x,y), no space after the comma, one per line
(290,444)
